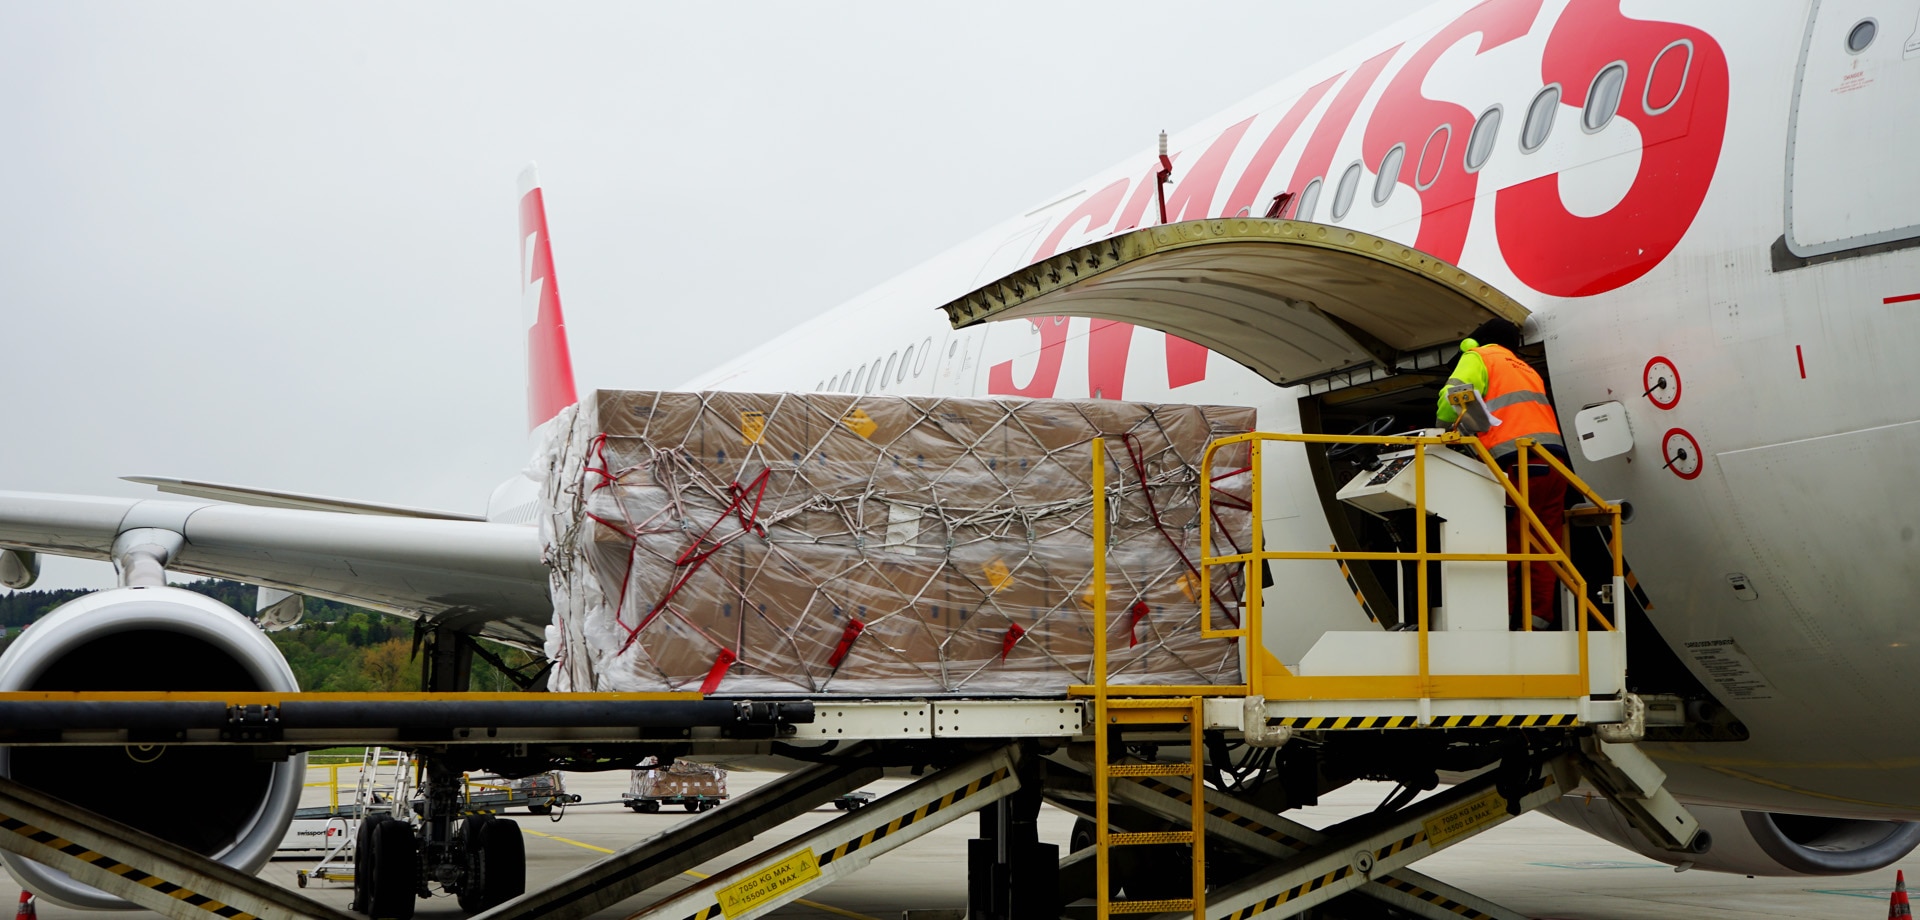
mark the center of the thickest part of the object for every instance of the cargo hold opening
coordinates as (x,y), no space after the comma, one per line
(1368,327)
(1384,400)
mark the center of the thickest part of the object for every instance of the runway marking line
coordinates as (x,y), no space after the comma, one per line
(816,905)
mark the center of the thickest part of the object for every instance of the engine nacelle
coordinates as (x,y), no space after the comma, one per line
(217,800)
(1758,842)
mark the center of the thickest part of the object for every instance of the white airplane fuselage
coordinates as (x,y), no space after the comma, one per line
(1740,214)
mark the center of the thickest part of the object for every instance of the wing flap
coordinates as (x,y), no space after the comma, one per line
(270,498)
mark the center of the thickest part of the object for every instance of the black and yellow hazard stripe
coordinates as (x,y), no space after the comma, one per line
(1354,586)
(1231,817)
(891,827)
(1435,898)
(1550,720)
(1639,594)
(919,814)
(103,861)
(1304,888)
(1293,843)
(1341,723)
(1334,723)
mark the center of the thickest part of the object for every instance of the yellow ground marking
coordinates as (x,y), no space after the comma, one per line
(816,905)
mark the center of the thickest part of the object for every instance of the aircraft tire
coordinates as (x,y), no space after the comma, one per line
(502,864)
(395,872)
(363,856)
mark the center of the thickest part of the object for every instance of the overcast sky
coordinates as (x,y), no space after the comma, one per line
(275,244)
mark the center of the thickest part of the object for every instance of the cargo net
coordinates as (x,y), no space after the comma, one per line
(826,544)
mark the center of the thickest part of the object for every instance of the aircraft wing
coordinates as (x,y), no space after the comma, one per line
(474,576)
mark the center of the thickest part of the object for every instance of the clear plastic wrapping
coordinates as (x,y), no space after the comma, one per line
(829,544)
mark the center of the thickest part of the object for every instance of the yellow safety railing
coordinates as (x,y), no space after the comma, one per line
(332,781)
(1268,677)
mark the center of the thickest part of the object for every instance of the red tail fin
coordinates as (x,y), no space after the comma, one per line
(549,364)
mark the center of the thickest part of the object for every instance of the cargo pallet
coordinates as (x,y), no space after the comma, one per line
(1530,715)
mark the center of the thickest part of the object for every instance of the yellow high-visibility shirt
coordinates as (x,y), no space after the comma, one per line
(1471,370)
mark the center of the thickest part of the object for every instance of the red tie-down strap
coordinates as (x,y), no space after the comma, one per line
(1135,614)
(718,672)
(1014,632)
(854,629)
(745,506)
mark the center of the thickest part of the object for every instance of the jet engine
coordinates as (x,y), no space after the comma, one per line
(217,800)
(1758,842)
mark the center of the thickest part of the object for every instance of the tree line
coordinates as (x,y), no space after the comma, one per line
(334,647)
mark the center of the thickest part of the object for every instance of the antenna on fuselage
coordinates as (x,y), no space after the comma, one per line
(1166,173)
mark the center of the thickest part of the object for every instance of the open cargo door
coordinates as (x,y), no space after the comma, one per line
(1296,302)
(1368,327)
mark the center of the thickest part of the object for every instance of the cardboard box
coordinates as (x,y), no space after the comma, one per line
(735,542)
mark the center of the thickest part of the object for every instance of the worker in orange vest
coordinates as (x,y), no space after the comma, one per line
(1512,404)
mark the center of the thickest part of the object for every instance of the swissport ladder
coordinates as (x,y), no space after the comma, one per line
(1459,670)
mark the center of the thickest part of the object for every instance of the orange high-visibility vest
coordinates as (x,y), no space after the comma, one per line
(1518,399)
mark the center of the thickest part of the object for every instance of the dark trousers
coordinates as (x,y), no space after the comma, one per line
(1547,496)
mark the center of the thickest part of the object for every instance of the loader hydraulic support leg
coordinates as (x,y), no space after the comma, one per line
(685,845)
(1233,821)
(796,868)
(1011,875)
(155,874)
(1356,851)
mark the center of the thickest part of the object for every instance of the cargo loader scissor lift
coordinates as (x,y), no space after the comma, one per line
(1539,714)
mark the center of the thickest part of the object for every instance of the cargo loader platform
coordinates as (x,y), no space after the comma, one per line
(1184,788)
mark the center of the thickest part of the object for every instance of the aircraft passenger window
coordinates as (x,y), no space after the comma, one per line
(1480,140)
(1603,97)
(875,382)
(1389,174)
(819,386)
(1862,35)
(1343,194)
(1433,151)
(1539,123)
(887,374)
(926,348)
(906,361)
(861,380)
(1663,75)
(1308,200)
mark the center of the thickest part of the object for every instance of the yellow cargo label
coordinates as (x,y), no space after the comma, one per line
(1086,597)
(1189,585)
(753,424)
(860,423)
(760,888)
(997,575)
(1465,818)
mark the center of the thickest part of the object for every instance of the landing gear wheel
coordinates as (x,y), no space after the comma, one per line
(495,863)
(363,863)
(395,872)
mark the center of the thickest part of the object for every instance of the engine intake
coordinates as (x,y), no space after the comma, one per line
(217,800)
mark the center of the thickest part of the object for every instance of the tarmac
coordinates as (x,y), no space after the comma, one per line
(1533,865)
